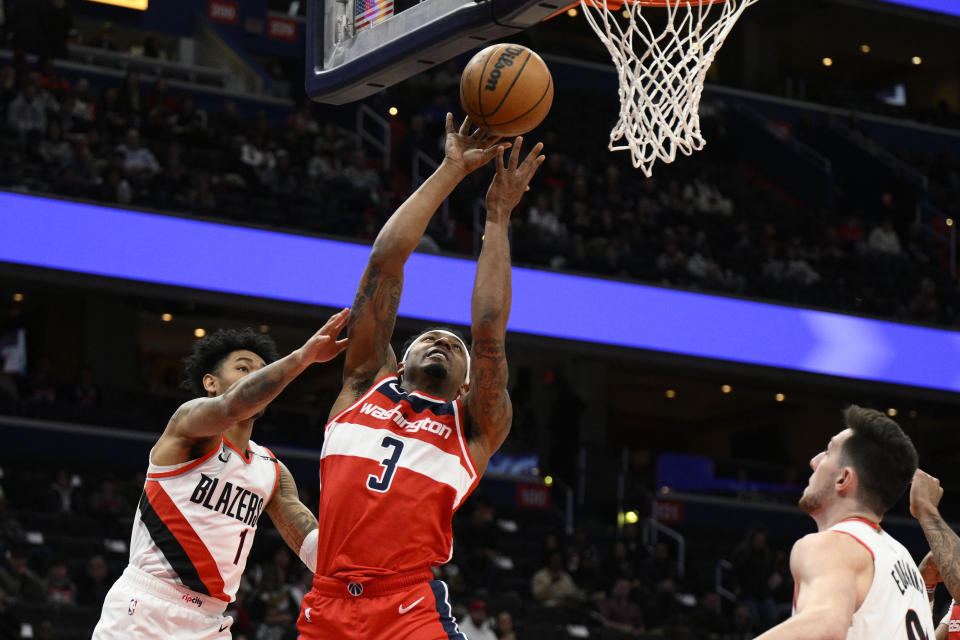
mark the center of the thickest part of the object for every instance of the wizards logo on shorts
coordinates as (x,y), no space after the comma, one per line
(132,607)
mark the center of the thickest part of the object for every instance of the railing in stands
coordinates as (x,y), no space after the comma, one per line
(718,573)
(214,77)
(377,134)
(651,532)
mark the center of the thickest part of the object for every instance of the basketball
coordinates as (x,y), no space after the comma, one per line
(506,89)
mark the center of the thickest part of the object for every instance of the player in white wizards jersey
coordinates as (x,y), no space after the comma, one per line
(207,485)
(852,579)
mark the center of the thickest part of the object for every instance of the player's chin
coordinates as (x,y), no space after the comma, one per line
(436,370)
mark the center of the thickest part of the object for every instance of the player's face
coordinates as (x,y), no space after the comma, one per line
(235,367)
(439,355)
(827,466)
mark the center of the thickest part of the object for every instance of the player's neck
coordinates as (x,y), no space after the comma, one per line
(431,386)
(844,510)
(239,435)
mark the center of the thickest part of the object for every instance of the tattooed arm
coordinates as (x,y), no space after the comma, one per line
(925,494)
(488,410)
(369,355)
(250,395)
(290,516)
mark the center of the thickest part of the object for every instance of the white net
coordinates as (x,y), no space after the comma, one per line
(662,63)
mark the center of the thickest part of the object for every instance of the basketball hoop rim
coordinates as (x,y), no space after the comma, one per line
(616,5)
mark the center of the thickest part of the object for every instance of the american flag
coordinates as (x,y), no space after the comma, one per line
(368,12)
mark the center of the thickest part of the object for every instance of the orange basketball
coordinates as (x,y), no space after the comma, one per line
(506,89)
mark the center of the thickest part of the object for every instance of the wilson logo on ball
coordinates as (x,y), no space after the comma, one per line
(505,60)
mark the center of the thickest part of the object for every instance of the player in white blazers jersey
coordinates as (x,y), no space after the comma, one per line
(942,564)
(207,485)
(852,579)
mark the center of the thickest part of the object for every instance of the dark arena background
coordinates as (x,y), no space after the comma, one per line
(679,348)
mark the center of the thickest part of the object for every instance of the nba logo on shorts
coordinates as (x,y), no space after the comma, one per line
(132,607)
(355,589)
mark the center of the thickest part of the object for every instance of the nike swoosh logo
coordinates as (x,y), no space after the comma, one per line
(224,626)
(222,459)
(402,609)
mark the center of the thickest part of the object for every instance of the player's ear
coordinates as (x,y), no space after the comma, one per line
(400,369)
(464,388)
(846,481)
(210,383)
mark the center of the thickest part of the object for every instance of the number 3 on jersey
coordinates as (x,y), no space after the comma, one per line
(382,484)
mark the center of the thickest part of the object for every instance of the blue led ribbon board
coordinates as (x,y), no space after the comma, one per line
(145,247)
(949,7)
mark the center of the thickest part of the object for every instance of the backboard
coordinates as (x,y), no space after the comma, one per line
(355,48)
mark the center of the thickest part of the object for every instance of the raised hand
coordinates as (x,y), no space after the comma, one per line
(323,345)
(468,152)
(925,494)
(513,178)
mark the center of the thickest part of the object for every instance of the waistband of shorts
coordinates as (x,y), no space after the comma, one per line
(173,593)
(369,587)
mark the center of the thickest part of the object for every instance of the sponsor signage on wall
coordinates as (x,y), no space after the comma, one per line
(223,11)
(281,28)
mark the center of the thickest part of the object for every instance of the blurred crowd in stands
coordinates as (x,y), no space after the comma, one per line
(514,574)
(709,222)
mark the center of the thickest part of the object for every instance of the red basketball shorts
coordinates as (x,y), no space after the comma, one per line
(409,606)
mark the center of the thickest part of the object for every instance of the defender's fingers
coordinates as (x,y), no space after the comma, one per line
(500,149)
(515,153)
(465,127)
(449,123)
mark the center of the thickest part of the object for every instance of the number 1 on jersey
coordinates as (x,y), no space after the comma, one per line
(382,483)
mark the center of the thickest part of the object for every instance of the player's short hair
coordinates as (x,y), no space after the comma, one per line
(882,455)
(208,354)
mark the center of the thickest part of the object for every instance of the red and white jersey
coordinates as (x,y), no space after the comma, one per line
(196,520)
(952,620)
(393,470)
(896,605)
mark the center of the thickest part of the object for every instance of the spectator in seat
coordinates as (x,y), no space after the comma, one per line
(552,586)
(18,580)
(60,586)
(504,627)
(477,625)
(26,116)
(137,159)
(883,240)
(93,585)
(620,612)
(61,496)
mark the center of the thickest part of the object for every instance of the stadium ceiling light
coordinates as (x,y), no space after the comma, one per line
(393,111)
(726,388)
(18,297)
(892,412)
(949,222)
(917,60)
(865,48)
(572,12)
(670,393)
(548,480)
(827,62)
(780,397)
(264,328)
(199,332)
(166,317)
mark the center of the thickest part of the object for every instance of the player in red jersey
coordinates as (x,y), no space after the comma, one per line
(207,485)
(408,442)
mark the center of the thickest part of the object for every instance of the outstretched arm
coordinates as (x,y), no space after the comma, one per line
(826,569)
(925,494)
(206,417)
(378,296)
(293,519)
(488,409)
